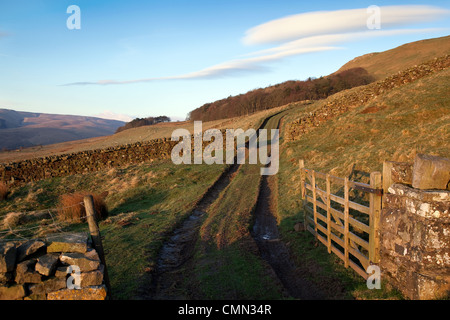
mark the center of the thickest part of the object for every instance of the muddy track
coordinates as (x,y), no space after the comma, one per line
(178,250)
(176,253)
(273,250)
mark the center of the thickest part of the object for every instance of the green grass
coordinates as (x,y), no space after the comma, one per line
(411,119)
(153,197)
(233,273)
(226,263)
(147,201)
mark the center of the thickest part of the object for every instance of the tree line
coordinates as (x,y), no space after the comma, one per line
(140,122)
(281,94)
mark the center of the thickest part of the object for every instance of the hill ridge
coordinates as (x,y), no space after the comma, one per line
(21,129)
(352,98)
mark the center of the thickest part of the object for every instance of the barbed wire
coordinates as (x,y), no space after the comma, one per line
(41,211)
(59,226)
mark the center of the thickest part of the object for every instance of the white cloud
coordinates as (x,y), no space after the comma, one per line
(306,33)
(114,116)
(329,22)
(330,39)
(223,69)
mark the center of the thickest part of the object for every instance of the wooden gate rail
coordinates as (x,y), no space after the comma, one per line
(338,228)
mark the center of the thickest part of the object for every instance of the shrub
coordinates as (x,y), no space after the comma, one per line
(71,207)
(3,191)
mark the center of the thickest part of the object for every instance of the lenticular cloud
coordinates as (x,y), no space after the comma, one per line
(330,22)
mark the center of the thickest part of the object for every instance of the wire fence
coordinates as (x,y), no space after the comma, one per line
(56,226)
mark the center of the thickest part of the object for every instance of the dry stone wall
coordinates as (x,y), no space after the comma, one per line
(415,231)
(88,161)
(64,267)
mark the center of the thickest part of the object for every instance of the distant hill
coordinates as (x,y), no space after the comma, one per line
(383,64)
(26,129)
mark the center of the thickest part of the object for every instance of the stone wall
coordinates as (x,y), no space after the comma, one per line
(41,269)
(88,161)
(415,232)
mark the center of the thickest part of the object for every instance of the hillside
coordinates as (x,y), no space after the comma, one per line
(360,71)
(383,64)
(390,120)
(281,94)
(25,129)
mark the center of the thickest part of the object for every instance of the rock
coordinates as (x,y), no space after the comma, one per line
(16,292)
(37,288)
(93,278)
(28,249)
(76,242)
(90,293)
(92,254)
(54,284)
(7,257)
(5,278)
(25,272)
(431,172)
(36,297)
(46,264)
(50,285)
(62,272)
(82,261)
(401,172)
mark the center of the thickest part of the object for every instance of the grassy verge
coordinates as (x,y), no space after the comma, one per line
(145,203)
(394,127)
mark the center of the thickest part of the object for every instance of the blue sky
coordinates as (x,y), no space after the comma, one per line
(150,58)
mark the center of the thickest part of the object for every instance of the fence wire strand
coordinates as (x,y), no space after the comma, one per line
(55,224)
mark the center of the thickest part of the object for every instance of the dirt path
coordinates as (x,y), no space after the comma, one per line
(178,250)
(273,250)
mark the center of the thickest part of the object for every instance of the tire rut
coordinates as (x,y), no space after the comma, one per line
(179,249)
(274,251)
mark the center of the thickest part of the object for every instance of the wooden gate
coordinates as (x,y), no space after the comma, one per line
(344,215)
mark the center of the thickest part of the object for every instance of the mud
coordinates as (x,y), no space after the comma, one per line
(180,247)
(167,280)
(274,251)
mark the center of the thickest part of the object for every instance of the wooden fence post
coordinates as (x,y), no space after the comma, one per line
(313,182)
(91,216)
(346,221)
(375,212)
(301,164)
(328,213)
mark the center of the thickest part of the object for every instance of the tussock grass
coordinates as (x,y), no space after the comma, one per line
(71,207)
(4,191)
(14,219)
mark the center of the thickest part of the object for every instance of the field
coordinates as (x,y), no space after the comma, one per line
(213,214)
